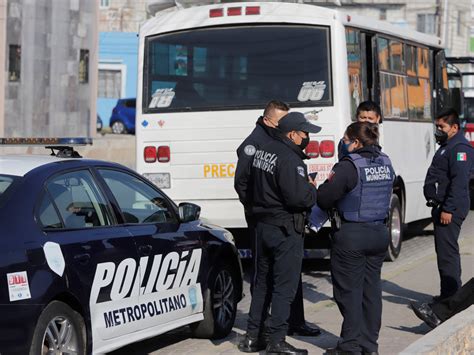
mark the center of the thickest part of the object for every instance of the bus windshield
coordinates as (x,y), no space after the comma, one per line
(237,67)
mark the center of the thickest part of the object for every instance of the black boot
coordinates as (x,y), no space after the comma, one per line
(304,330)
(284,348)
(251,345)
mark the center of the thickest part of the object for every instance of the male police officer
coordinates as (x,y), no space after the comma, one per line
(282,193)
(266,130)
(446,189)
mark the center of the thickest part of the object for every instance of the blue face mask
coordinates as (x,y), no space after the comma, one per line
(344,147)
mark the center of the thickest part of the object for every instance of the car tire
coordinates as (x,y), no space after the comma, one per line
(59,329)
(220,305)
(118,127)
(395,229)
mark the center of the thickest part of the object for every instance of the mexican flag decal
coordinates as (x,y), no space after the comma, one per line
(462,157)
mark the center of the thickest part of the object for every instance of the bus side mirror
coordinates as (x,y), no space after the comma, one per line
(189,212)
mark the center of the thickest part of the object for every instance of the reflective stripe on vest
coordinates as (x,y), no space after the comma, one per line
(369,200)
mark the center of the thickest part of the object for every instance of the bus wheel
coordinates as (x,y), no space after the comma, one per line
(395,229)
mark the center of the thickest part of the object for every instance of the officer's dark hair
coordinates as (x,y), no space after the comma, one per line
(450,116)
(275,105)
(368,106)
(365,132)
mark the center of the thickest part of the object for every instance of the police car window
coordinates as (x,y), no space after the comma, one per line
(47,214)
(5,182)
(78,200)
(139,202)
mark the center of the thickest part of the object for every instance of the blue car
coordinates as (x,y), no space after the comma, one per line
(123,116)
(93,257)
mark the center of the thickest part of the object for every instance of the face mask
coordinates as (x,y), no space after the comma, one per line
(441,136)
(304,143)
(345,147)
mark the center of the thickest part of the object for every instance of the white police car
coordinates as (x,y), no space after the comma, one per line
(94,257)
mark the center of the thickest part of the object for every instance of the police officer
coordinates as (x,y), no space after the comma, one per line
(446,189)
(282,193)
(359,187)
(367,111)
(266,130)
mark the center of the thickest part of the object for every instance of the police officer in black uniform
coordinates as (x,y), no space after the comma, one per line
(266,129)
(359,187)
(446,189)
(282,193)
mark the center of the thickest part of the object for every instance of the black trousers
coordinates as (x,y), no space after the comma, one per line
(447,253)
(357,255)
(297,318)
(462,299)
(279,256)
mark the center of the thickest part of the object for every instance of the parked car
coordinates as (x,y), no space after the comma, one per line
(123,116)
(100,125)
(93,257)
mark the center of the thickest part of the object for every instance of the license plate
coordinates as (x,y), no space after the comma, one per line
(162,180)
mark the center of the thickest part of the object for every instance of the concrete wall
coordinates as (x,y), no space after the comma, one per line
(118,49)
(49,100)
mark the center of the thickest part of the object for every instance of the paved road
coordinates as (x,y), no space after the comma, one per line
(412,277)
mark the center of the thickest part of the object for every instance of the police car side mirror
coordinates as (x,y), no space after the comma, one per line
(189,212)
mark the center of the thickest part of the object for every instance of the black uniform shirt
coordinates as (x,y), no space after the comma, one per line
(279,179)
(342,179)
(447,179)
(260,135)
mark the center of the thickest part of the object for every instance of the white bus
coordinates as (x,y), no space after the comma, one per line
(206,73)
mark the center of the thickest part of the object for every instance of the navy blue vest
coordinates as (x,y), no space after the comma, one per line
(369,201)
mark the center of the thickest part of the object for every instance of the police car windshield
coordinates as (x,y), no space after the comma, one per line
(235,67)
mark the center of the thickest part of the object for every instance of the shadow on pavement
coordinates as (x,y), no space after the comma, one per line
(402,295)
(421,329)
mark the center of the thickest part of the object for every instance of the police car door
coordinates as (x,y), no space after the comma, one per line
(96,252)
(168,258)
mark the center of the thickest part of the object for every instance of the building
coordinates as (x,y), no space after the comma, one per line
(118,72)
(49,51)
(119,24)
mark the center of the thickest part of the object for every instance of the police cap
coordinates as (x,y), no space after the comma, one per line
(296,121)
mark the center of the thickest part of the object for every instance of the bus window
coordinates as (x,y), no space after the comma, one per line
(411,60)
(382,50)
(418,83)
(397,62)
(354,63)
(423,63)
(233,67)
(385,95)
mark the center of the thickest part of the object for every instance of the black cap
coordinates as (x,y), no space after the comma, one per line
(296,121)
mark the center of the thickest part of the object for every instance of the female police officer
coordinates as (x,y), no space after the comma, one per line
(359,188)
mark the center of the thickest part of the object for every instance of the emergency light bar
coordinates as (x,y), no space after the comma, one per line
(71,141)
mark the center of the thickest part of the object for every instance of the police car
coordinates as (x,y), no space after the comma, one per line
(93,257)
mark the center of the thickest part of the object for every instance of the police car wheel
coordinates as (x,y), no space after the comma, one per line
(59,330)
(395,229)
(220,306)
(119,128)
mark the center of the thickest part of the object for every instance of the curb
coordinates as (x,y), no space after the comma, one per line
(454,336)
